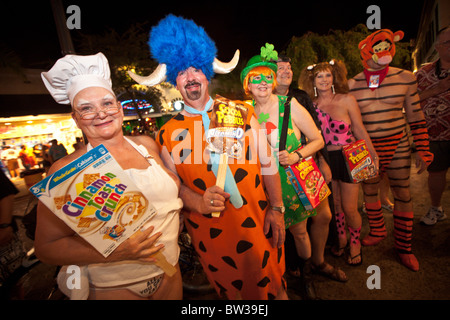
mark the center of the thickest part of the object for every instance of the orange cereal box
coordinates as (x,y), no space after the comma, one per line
(359,162)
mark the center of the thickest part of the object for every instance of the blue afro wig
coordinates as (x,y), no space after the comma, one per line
(180,43)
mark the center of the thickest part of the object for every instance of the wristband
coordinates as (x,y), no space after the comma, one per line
(300,157)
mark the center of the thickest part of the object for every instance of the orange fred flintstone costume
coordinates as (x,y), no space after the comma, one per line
(383,93)
(236,249)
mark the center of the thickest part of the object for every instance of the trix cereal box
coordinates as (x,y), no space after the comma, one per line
(359,162)
(308,182)
(95,198)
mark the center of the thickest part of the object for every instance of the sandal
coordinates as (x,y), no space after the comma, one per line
(329,271)
(350,258)
(388,207)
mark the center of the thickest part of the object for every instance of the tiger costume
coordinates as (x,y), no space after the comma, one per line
(385,96)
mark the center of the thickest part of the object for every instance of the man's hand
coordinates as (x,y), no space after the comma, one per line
(275,220)
(213,200)
(422,165)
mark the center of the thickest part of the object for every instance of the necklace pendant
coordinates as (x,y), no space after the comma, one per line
(374,81)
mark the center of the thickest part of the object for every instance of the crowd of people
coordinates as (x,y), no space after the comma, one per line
(14,162)
(261,231)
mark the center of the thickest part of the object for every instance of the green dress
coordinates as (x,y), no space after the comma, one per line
(295,211)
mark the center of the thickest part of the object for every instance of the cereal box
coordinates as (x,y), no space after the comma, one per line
(95,198)
(227,127)
(308,182)
(359,162)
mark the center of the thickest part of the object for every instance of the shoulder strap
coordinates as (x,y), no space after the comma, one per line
(283,135)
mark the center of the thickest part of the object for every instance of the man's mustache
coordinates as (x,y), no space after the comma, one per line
(192,83)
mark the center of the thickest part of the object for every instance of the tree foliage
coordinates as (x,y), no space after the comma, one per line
(313,48)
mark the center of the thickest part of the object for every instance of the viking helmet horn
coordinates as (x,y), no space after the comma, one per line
(158,76)
(226,67)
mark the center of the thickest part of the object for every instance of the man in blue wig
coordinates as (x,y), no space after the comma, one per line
(241,250)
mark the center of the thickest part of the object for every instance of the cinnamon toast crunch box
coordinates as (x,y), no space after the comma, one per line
(96,199)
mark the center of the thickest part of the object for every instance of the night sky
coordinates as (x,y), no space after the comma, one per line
(29,28)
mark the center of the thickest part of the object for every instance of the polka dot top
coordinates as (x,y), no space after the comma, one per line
(335,132)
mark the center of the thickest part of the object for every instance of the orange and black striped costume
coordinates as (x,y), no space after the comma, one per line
(386,109)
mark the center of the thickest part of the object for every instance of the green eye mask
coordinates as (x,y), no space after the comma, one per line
(263,78)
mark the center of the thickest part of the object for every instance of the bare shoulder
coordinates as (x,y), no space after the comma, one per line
(347,98)
(146,141)
(353,82)
(402,73)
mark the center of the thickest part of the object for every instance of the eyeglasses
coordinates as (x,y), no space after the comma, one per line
(88,112)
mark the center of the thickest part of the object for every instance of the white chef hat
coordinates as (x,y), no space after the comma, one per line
(73,73)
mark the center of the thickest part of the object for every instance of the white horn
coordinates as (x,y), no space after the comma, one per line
(226,67)
(158,76)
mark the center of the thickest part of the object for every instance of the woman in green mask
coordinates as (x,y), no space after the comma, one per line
(259,81)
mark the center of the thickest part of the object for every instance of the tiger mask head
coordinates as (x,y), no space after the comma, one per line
(379,47)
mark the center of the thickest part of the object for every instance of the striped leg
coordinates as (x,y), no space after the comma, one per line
(376,223)
(398,172)
(403,225)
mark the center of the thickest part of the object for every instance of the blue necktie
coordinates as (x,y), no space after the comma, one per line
(230,183)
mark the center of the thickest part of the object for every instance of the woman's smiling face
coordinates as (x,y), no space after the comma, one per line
(102,102)
(323,80)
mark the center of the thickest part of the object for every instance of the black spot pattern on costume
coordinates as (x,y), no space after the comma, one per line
(229,261)
(240,174)
(257,181)
(199,183)
(237,284)
(182,135)
(244,200)
(214,233)
(222,290)
(243,246)
(184,153)
(212,268)
(179,117)
(248,154)
(262,204)
(192,223)
(280,253)
(264,282)
(248,223)
(161,139)
(201,246)
(265,259)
